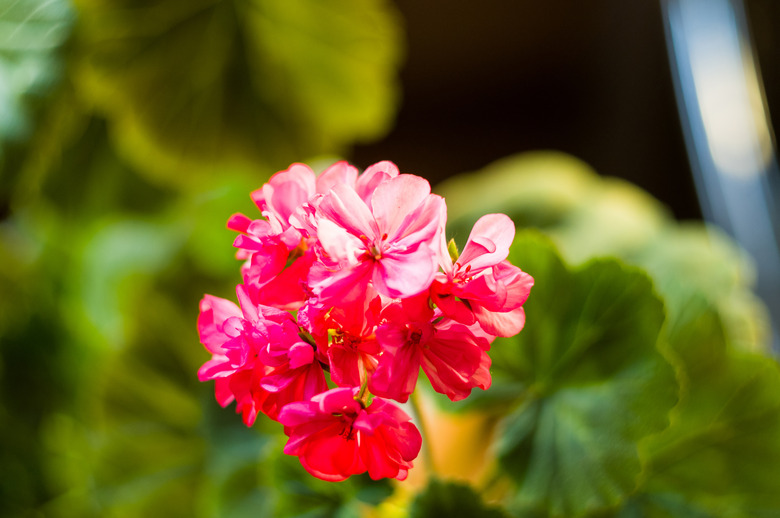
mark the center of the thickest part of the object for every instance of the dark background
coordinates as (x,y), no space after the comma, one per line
(487,79)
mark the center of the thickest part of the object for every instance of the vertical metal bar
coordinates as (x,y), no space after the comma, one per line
(727,131)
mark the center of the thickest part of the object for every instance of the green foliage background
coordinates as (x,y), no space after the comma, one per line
(131,130)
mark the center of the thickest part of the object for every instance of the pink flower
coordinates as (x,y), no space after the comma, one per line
(481,286)
(391,241)
(227,332)
(341,276)
(452,355)
(289,190)
(258,359)
(223,331)
(276,252)
(335,436)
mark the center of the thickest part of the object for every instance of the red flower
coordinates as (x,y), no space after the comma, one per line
(452,355)
(335,436)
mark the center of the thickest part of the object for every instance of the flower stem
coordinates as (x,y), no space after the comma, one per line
(427,453)
(362,396)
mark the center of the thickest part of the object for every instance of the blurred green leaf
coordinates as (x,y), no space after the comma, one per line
(203,217)
(451,499)
(116,258)
(721,456)
(595,382)
(193,86)
(669,505)
(693,261)
(31,35)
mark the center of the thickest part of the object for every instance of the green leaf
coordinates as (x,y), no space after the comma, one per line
(31,35)
(202,85)
(118,256)
(667,505)
(595,382)
(721,455)
(693,261)
(451,499)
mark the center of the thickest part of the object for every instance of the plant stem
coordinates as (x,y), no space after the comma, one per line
(362,396)
(427,453)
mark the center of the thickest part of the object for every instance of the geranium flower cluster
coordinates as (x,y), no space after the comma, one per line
(349,289)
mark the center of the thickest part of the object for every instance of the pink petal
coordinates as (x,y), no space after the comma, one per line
(344,366)
(279,380)
(422,226)
(233,327)
(297,413)
(268,258)
(287,190)
(332,458)
(286,290)
(380,464)
(401,275)
(449,304)
(445,261)
(373,176)
(213,313)
(342,247)
(348,284)
(339,401)
(518,283)
(239,223)
(222,392)
(399,366)
(217,367)
(248,307)
(500,324)
(450,361)
(339,173)
(489,242)
(300,354)
(396,199)
(344,207)
(409,440)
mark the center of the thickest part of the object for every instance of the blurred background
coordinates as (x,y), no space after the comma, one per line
(130,130)
(592,80)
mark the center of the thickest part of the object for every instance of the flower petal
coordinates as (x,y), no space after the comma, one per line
(488,242)
(401,275)
(508,323)
(396,199)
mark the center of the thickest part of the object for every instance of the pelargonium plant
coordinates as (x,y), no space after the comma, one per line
(349,288)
